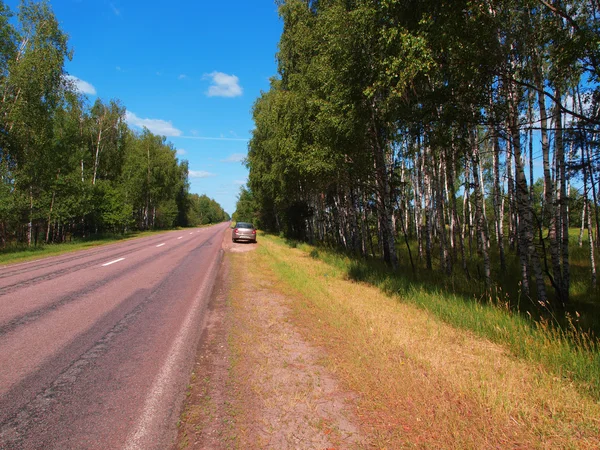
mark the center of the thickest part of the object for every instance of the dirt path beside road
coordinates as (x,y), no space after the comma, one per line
(257,382)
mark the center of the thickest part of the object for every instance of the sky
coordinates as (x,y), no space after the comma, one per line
(188,70)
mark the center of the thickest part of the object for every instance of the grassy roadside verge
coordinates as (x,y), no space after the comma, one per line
(422,379)
(568,353)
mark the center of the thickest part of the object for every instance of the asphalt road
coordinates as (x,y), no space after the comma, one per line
(96,347)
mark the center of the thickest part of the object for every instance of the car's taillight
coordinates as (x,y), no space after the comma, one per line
(253,231)
(235,230)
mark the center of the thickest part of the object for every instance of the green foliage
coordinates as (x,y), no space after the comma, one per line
(204,210)
(114,212)
(70,169)
(246,208)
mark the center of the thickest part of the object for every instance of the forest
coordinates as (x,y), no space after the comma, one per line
(455,138)
(69,168)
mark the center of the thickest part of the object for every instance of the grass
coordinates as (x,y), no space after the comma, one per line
(438,369)
(560,345)
(584,306)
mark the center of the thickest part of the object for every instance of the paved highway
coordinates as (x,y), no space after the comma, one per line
(96,347)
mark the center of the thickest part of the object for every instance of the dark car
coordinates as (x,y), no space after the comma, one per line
(243,231)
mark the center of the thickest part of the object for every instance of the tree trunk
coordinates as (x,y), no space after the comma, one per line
(97,157)
(563,205)
(428,211)
(583,218)
(591,239)
(418,203)
(530,119)
(549,193)
(50,217)
(445,266)
(588,219)
(50,212)
(479,168)
(147,211)
(403,225)
(467,222)
(384,208)
(594,196)
(455,219)
(30,223)
(510,181)
(352,214)
(528,256)
(338,223)
(498,210)
(367,227)
(482,235)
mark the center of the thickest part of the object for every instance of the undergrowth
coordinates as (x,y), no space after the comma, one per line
(559,345)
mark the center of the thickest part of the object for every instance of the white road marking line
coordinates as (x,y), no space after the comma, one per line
(150,420)
(112,262)
(160,245)
(180,237)
(191,233)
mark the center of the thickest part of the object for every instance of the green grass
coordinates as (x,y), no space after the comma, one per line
(560,345)
(22,253)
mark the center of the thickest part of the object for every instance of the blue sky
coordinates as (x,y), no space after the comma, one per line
(189,70)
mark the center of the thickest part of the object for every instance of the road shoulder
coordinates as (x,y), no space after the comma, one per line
(316,360)
(257,382)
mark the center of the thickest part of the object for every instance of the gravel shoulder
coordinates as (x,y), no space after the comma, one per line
(257,382)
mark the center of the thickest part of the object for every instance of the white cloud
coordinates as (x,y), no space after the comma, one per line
(156,126)
(223,85)
(239,182)
(182,76)
(82,86)
(116,11)
(235,158)
(200,174)
(180,152)
(118,69)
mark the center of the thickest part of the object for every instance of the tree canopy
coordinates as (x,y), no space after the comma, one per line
(68,168)
(421,122)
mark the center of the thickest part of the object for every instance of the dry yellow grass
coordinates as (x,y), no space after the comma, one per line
(421,382)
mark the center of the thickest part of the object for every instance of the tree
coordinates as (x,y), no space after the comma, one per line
(384,113)
(31,90)
(246,208)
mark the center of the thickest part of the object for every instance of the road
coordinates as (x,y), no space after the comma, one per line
(96,346)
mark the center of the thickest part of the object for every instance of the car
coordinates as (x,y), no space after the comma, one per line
(243,231)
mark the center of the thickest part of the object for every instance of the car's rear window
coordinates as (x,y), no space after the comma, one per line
(243,225)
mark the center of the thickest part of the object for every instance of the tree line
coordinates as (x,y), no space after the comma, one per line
(68,168)
(454,128)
